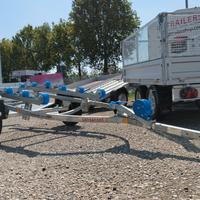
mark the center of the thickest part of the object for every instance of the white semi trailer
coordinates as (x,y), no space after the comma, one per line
(162,59)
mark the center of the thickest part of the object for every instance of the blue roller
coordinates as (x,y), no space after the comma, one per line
(45,98)
(25,93)
(81,89)
(116,103)
(9,91)
(102,93)
(22,85)
(34,84)
(48,84)
(142,108)
(62,88)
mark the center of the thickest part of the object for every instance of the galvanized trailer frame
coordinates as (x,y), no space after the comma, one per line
(121,114)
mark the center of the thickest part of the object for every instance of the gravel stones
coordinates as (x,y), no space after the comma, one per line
(42,159)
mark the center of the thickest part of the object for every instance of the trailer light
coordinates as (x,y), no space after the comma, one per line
(188,93)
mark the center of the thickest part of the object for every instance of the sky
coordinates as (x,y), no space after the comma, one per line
(15,14)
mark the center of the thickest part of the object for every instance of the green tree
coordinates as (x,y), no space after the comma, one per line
(31,48)
(78,61)
(41,47)
(61,47)
(6,59)
(99,26)
(23,55)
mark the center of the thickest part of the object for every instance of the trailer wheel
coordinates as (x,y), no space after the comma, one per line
(153,96)
(72,106)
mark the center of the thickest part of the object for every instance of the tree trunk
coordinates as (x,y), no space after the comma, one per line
(105,67)
(79,71)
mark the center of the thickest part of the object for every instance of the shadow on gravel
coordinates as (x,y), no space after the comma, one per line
(56,130)
(187,116)
(184,141)
(121,149)
(11,125)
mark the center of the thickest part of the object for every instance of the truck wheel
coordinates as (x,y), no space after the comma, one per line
(72,106)
(120,95)
(140,93)
(153,96)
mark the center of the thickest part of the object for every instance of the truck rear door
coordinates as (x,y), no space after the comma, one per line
(183,46)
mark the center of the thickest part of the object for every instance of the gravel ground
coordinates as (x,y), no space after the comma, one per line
(45,160)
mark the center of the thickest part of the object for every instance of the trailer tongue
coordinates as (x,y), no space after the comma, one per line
(141,115)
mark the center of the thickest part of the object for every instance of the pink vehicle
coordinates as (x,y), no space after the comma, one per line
(56,79)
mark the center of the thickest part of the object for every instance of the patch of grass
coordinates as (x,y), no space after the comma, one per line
(131,95)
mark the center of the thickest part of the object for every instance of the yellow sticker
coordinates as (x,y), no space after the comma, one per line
(125,120)
(17,110)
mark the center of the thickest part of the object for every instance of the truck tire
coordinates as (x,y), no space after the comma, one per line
(120,95)
(141,92)
(154,97)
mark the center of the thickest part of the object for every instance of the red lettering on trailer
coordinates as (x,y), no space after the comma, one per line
(171,23)
(195,18)
(177,22)
(92,119)
(189,19)
(184,20)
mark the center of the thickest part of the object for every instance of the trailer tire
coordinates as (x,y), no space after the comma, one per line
(153,96)
(72,106)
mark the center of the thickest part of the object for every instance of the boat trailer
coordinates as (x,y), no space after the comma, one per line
(72,106)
